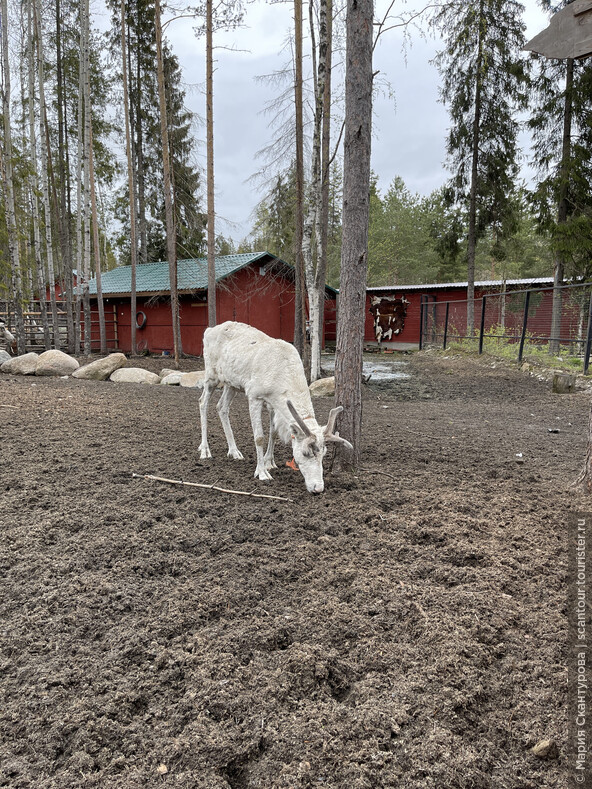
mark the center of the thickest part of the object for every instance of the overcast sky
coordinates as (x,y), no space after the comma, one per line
(409,127)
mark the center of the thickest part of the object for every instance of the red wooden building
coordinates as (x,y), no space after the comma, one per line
(504,307)
(255,288)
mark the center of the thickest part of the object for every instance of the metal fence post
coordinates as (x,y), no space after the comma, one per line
(525,321)
(481,330)
(588,339)
(421,322)
(446,325)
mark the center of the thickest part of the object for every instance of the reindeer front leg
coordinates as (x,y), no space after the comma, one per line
(255,407)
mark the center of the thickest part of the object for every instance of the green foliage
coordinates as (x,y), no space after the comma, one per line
(401,247)
(145,123)
(273,229)
(562,198)
(484,84)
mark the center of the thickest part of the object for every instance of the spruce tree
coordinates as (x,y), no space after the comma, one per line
(483,84)
(560,123)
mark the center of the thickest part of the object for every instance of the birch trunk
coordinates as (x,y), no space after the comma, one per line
(323,229)
(80,283)
(356,206)
(96,246)
(62,210)
(13,248)
(299,305)
(44,176)
(210,166)
(130,181)
(168,195)
(85,61)
(38,261)
(314,286)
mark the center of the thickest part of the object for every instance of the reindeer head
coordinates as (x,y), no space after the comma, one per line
(309,445)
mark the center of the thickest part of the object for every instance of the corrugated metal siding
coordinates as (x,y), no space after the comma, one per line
(486,283)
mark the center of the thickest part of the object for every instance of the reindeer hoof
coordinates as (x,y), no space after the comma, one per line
(235,454)
(204,453)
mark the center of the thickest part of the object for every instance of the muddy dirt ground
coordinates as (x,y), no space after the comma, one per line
(405,629)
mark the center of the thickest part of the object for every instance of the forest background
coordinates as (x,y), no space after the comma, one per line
(63,97)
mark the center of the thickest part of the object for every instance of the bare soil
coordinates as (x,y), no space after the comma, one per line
(405,629)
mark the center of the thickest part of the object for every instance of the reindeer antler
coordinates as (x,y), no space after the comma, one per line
(299,420)
(329,432)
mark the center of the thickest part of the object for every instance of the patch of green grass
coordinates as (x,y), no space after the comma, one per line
(506,345)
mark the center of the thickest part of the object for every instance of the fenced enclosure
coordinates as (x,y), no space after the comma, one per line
(515,323)
(35,336)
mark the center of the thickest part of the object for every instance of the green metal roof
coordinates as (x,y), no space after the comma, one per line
(191,274)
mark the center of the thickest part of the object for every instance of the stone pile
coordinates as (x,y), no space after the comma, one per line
(114,368)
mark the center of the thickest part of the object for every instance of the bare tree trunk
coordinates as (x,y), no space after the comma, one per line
(81,284)
(356,206)
(96,245)
(472,235)
(168,194)
(299,305)
(44,176)
(38,264)
(13,248)
(585,477)
(137,148)
(130,182)
(562,208)
(210,166)
(85,65)
(61,204)
(323,230)
(314,287)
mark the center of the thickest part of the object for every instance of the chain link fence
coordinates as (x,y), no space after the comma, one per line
(515,323)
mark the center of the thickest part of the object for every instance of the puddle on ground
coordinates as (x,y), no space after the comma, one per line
(378,371)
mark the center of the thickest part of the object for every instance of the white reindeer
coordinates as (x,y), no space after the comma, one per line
(269,372)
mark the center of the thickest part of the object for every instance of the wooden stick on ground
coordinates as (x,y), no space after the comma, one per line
(210,487)
(5,405)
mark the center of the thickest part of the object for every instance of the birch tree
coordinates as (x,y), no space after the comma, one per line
(313,268)
(300,284)
(211,229)
(130,181)
(43,139)
(38,261)
(13,246)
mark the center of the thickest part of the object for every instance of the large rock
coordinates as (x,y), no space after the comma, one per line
(21,365)
(172,378)
(101,369)
(55,362)
(134,375)
(4,357)
(193,380)
(324,387)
